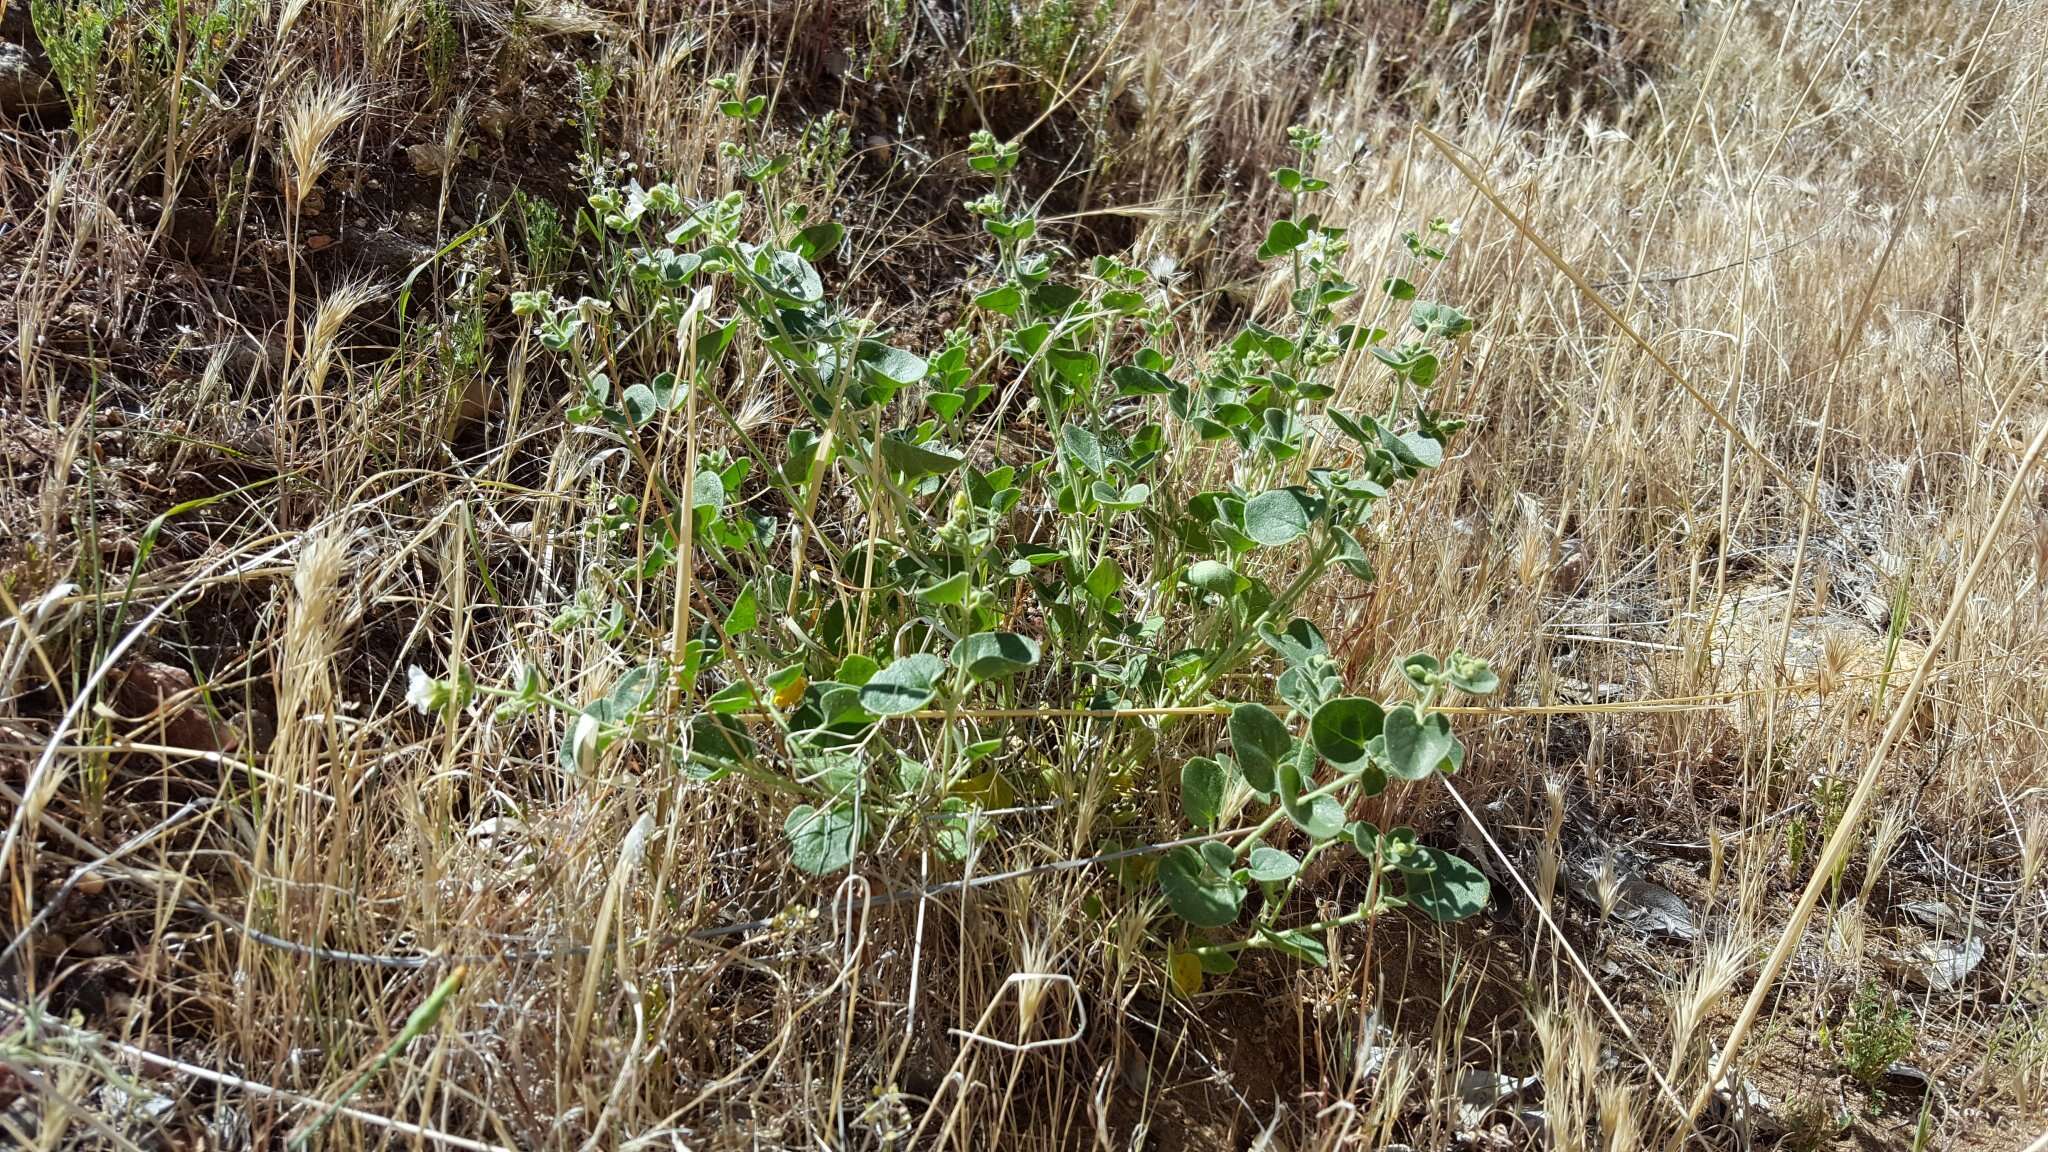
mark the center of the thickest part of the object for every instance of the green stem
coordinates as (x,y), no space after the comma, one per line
(765,779)
(1224,663)
(1257,834)
(422,1018)
(1358,915)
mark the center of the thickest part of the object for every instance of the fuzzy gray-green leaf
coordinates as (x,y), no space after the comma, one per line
(1201,791)
(904,686)
(1261,741)
(1196,892)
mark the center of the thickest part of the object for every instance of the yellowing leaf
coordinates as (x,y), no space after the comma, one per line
(988,789)
(787,695)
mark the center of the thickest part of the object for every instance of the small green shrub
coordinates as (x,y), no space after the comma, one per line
(872,672)
(1876,1034)
(77,35)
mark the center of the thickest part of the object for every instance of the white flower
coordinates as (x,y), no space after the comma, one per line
(426,693)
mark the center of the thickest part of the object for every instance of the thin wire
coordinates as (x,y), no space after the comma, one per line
(701,935)
(228,1080)
(1571,954)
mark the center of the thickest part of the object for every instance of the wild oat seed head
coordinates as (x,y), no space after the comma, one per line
(323,327)
(321,108)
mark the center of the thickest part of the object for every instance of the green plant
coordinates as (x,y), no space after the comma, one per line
(594,81)
(1364,744)
(1050,37)
(1877,1033)
(871,676)
(76,35)
(442,48)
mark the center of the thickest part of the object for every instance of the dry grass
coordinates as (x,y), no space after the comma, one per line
(1760,352)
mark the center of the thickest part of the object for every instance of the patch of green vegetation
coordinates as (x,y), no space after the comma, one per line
(1049,38)
(1877,1033)
(871,682)
(443,46)
(76,34)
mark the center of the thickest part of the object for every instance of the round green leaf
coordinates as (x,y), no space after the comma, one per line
(1421,671)
(1261,741)
(1321,817)
(640,404)
(1196,892)
(819,239)
(916,461)
(1006,299)
(1222,858)
(1372,778)
(1276,517)
(893,365)
(1417,448)
(904,686)
(745,613)
(789,276)
(721,739)
(1407,856)
(1364,836)
(628,695)
(1213,576)
(1295,943)
(1271,865)
(995,655)
(1201,791)
(1282,237)
(951,590)
(1301,643)
(1085,448)
(1343,727)
(822,840)
(1417,745)
(1453,889)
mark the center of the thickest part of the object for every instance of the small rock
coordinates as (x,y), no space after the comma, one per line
(135,1103)
(145,686)
(1481,1090)
(1650,909)
(1373,1055)
(1899,1074)
(163,694)
(426,159)
(494,118)
(1943,965)
(1656,910)
(118,550)
(1745,1111)
(24,89)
